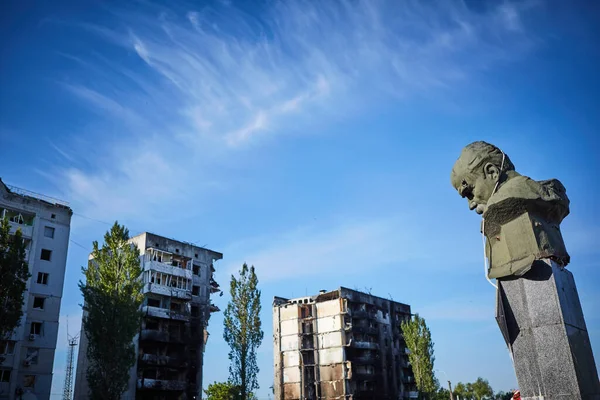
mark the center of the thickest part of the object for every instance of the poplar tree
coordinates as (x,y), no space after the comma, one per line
(243,330)
(112,298)
(13,279)
(418,340)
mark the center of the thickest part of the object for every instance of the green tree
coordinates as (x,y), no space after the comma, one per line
(418,340)
(481,388)
(461,391)
(243,331)
(503,395)
(441,394)
(112,298)
(222,391)
(13,279)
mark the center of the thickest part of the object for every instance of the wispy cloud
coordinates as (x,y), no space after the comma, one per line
(209,81)
(340,248)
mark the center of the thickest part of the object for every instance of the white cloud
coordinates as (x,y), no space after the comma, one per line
(208,81)
(329,250)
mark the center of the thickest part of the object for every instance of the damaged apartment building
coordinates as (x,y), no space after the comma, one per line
(178,281)
(342,344)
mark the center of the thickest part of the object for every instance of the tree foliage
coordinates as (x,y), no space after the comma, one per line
(440,394)
(418,340)
(476,390)
(222,391)
(501,395)
(461,390)
(112,298)
(242,330)
(481,388)
(13,279)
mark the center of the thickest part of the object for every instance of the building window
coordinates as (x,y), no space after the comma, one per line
(36,328)
(49,232)
(29,381)
(53,216)
(46,254)
(153,302)
(4,375)
(32,355)
(38,303)
(196,270)
(195,311)
(42,278)
(196,290)
(196,255)
(152,325)
(7,347)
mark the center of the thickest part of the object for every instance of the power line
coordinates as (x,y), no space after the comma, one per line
(83,247)
(92,219)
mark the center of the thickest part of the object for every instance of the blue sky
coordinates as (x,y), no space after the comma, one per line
(311,139)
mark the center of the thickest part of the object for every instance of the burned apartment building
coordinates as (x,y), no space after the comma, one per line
(178,281)
(342,344)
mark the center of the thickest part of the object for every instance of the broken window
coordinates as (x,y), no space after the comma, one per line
(195,311)
(152,325)
(4,375)
(42,278)
(7,347)
(196,269)
(196,290)
(46,254)
(38,303)
(153,302)
(32,355)
(36,328)
(149,374)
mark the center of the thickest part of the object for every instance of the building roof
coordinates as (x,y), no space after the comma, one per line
(193,246)
(332,294)
(38,197)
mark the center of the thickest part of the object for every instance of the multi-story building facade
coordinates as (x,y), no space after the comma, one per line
(29,354)
(178,281)
(341,344)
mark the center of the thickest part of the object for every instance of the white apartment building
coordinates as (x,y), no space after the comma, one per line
(178,281)
(29,354)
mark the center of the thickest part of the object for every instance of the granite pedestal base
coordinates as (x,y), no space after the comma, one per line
(541,319)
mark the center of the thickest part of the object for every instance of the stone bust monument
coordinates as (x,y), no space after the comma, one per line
(521,217)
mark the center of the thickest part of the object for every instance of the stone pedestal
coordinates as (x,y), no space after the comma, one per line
(541,319)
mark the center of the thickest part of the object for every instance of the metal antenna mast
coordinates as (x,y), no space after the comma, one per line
(68,386)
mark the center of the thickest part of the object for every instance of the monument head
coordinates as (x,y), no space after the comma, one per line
(521,216)
(478,171)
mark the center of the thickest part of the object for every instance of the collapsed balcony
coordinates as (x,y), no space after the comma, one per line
(214,286)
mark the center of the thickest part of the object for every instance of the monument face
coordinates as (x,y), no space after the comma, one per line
(538,308)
